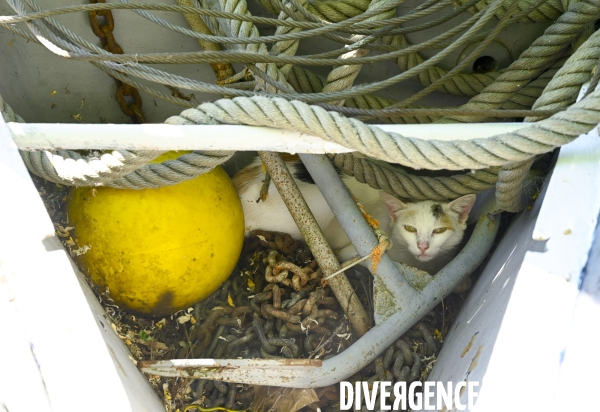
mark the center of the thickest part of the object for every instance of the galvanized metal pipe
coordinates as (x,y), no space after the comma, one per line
(315,239)
(294,374)
(397,289)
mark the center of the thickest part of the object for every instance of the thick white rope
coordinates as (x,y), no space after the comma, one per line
(371,141)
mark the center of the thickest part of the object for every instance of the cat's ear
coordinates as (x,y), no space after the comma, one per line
(393,205)
(462,206)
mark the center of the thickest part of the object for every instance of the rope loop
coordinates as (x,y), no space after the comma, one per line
(547,76)
(373,142)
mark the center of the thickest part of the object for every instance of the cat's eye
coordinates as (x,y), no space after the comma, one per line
(440,230)
(411,229)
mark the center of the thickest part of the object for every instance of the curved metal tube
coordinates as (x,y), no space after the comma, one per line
(357,229)
(310,373)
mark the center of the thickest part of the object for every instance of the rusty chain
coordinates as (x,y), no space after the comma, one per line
(251,316)
(128,97)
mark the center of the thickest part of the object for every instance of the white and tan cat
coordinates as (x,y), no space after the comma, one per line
(424,234)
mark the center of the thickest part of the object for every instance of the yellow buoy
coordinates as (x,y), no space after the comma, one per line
(159,250)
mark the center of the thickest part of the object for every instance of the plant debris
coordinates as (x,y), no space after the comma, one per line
(274,305)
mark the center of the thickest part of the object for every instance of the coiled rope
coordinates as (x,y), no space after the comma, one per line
(502,160)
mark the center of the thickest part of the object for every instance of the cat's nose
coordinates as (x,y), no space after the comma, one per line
(423,246)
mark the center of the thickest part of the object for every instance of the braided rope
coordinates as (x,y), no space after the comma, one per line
(541,54)
(474,84)
(562,90)
(118,169)
(305,81)
(547,11)
(393,180)
(526,97)
(161,76)
(400,183)
(369,101)
(8,114)
(174,171)
(462,84)
(72,169)
(510,195)
(513,151)
(337,10)
(247,29)
(289,47)
(342,78)
(371,141)
(544,51)
(222,70)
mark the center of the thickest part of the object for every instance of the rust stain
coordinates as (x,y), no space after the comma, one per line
(462,390)
(475,360)
(301,362)
(466,349)
(147,363)
(205,368)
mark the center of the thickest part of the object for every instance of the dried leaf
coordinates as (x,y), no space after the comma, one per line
(166,393)
(82,250)
(158,345)
(184,318)
(250,284)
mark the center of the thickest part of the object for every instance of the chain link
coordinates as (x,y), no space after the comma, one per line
(128,97)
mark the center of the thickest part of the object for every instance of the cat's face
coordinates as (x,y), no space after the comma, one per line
(428,229)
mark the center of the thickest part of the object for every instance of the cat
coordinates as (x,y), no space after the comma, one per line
(424,234)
